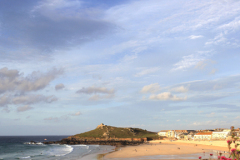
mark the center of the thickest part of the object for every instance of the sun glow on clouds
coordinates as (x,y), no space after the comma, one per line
(180,89)
(166,96)
(153,88)
(24,108)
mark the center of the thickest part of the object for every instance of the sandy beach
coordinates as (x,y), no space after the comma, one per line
(166,147)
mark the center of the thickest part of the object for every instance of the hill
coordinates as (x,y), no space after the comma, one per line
(104,131)
(109,135)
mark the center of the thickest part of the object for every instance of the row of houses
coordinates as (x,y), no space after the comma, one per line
(197,134)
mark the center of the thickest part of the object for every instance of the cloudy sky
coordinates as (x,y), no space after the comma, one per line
(68,65)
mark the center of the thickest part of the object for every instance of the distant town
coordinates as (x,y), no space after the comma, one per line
(208,134)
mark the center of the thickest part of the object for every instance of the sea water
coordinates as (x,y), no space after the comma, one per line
(20,147)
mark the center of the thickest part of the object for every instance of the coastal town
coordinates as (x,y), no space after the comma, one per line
(208,134)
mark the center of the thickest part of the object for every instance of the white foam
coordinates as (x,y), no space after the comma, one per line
(81,145)
(25,157)
(33,143)
(64,151)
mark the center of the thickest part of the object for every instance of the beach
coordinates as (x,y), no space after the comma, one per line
(173,148)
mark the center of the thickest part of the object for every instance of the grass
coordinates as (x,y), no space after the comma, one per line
(116,132)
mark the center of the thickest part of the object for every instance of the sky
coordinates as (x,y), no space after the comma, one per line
(68,65)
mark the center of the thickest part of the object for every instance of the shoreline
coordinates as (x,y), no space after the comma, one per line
(166,147)
(86,152)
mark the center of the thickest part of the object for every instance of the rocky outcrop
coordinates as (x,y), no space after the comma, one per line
(101,126)
(100,141)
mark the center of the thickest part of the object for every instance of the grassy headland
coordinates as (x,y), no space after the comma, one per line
(117,132)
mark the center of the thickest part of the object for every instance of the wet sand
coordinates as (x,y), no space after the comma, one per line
(167,147)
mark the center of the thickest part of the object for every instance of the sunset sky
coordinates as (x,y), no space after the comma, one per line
(68,65)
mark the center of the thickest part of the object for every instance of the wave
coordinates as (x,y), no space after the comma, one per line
(33,143)
(64,151)
(25,157)
(82,145)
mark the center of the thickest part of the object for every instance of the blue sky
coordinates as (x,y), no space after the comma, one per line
(68,65)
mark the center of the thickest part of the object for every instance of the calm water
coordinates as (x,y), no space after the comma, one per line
(17,147)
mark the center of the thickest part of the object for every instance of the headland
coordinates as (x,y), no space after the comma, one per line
(109,135)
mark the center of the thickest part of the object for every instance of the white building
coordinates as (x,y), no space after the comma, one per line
(220,135)
(163,133)
(203,136)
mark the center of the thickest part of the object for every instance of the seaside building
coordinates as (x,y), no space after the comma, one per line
(168,133)
(179,134)
(182,136)
(191,134)
(163,133)
(203,136)
(171,134)
(181,131)
(221,135)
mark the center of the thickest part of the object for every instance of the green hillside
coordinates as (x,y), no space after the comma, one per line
(116,132)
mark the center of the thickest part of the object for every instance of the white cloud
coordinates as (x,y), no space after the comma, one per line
(12,80)
(195,37)
(16,89)
(166,96)
(220,38)
(147,71)
(99,92)
(8,99)
(152,88)
(191,60)
(24,108)
(226,82)
(180,89)
(31,99)
(231,26)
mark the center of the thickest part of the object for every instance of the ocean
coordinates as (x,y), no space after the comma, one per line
(19,147)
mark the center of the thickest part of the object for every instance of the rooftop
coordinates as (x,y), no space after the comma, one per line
(204,133)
